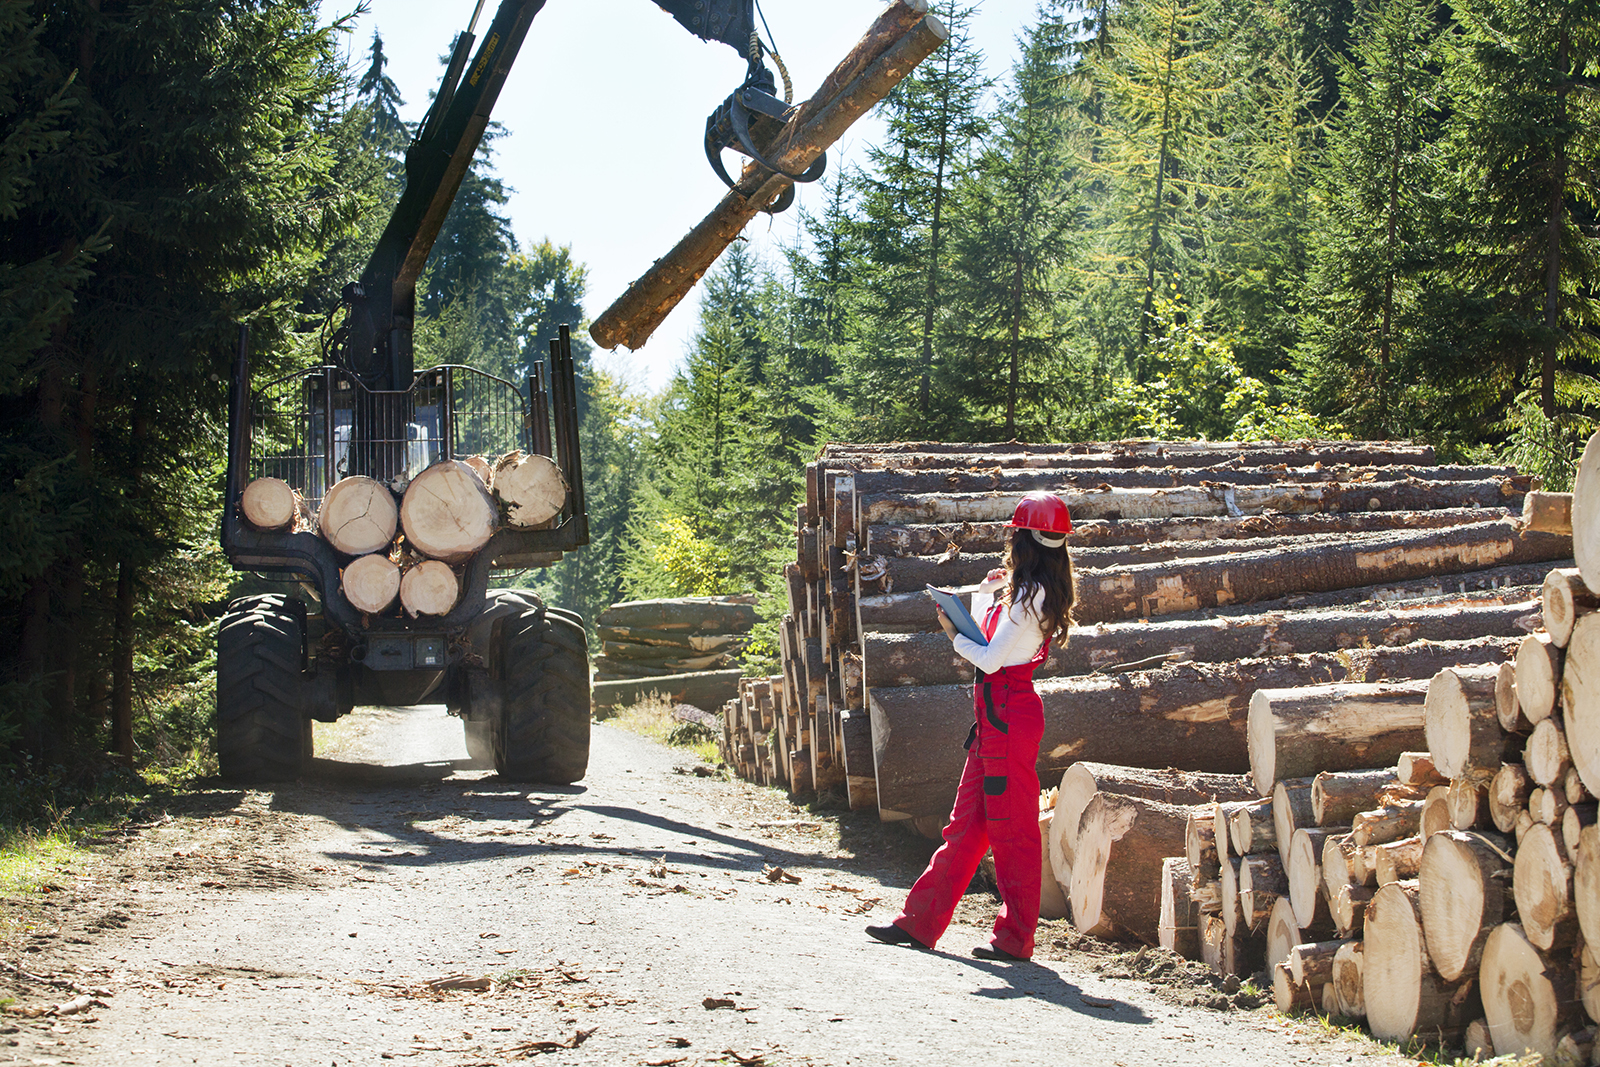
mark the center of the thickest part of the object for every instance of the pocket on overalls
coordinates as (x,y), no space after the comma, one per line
(993,750)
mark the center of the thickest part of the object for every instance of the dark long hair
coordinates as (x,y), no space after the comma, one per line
(1033,567)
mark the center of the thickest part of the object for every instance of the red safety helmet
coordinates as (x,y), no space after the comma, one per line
(1044,512)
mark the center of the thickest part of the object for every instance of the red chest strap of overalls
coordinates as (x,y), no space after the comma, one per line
(991,623)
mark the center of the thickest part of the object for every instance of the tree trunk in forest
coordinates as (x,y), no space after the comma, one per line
(122,667)
(900,38)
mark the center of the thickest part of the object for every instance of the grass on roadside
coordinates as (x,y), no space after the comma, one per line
(652,718)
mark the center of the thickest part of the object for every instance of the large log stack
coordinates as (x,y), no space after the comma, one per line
(1206,571)
(407,543)
(681,648)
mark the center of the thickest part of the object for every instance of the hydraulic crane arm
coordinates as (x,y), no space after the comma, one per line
(383,303)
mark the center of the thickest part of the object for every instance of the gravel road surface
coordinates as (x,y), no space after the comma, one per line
(403,904)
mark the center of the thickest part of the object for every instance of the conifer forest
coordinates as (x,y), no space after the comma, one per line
(1225,219)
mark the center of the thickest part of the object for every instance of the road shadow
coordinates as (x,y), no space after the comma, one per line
(1037,981)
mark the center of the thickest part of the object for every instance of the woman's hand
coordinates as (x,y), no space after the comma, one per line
(995,575)
(945,624)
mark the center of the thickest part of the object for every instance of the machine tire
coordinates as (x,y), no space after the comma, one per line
(263,732)
(480,740)
(543,731)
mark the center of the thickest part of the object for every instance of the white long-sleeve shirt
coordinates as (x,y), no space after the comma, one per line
(1017,636)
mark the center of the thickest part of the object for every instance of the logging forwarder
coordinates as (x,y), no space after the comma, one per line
(514,669)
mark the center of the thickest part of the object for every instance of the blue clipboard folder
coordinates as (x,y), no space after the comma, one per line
(966,625)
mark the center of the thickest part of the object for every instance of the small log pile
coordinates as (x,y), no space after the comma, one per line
(407,543)
(682,648)
(1206,571)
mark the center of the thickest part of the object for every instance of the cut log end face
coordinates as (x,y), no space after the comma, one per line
(532,488)
(1519,1000)
(371,583)
(1586,883)
(269,504)
(429,588)
(358,516)
(1392,965)
(1458,717)
(1586,522)
(1451,899)
(447,513)
(1542,885)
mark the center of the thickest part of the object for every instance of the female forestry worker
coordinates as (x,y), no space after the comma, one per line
(997,802)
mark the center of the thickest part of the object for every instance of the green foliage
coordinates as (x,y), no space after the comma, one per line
(670,559)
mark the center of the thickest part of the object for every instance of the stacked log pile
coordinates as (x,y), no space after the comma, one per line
(1206,571)
(1447,890)
(407,543)
(682,648)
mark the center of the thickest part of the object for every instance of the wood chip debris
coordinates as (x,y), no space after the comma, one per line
(529,1049)
(713,1003)
(778,874)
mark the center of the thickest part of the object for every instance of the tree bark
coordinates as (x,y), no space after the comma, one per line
(1417,769)
(997,478)
(1261,882)
(1337,796)
(358,515)
(1462,722)
(1191,716)
(703,689)
(1186,502)
(1397,861)
(900,659)
(685,615)
(900,39)
(1298,732)
(935,539)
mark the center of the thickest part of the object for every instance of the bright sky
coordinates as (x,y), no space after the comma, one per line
(605,112)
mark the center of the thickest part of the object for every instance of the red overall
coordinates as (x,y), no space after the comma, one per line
(997,805)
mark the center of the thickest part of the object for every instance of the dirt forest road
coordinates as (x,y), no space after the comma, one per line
(636,918)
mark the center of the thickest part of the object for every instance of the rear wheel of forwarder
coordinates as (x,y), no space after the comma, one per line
(262,728)
(543,731)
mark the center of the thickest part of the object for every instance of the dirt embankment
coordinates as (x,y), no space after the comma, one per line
(402,904)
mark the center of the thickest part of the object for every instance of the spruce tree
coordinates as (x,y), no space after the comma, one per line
(1368,324)
(1021,220)
(906,221)
(1526,135)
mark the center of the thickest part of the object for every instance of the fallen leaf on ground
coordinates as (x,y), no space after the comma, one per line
(713,1003)
(461,981)
(488,934)
(679,1042)
(778,874)
(755,1059)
